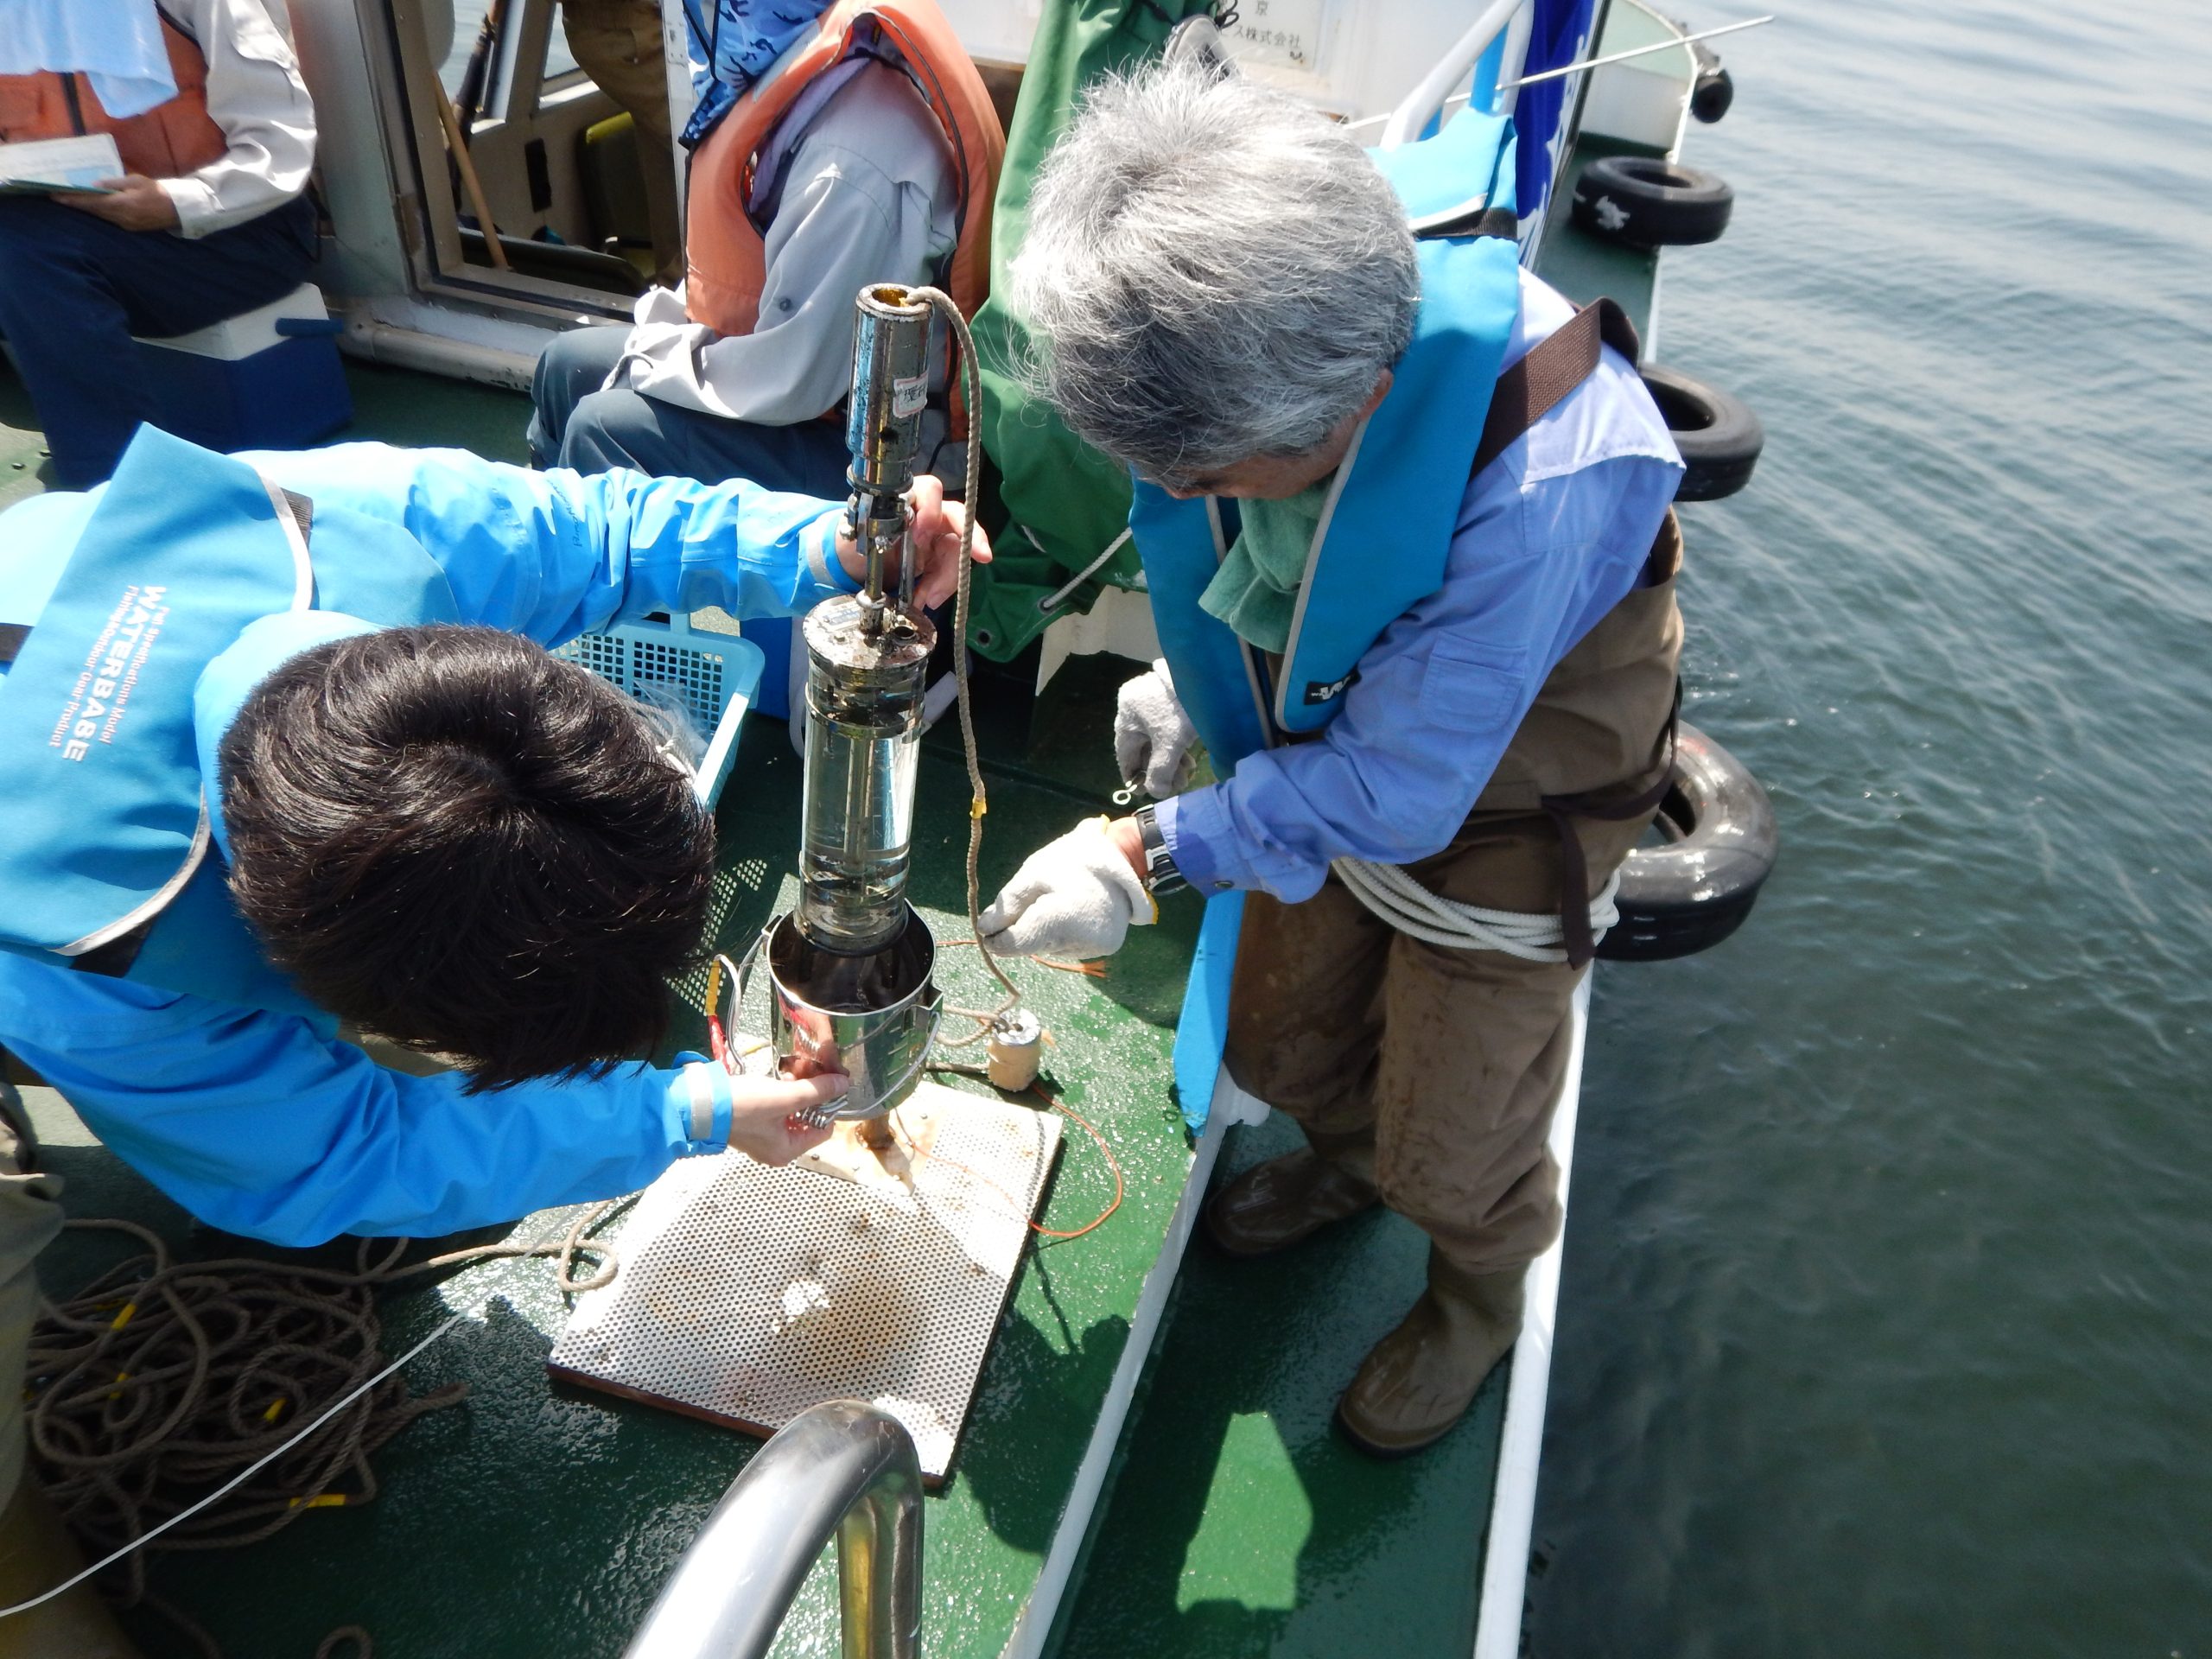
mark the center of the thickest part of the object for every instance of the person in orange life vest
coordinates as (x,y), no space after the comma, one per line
(209,220)
(835,147)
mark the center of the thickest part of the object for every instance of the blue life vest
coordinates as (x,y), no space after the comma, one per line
(1385,532)
(190,581)
(1385,528)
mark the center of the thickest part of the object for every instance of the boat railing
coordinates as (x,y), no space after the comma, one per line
(1515,19)
(840,1469)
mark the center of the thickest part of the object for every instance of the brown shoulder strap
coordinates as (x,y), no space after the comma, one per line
(1532,388)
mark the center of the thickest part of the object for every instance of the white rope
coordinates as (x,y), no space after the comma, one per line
(1050,602)
(1412,909)
(243,1475)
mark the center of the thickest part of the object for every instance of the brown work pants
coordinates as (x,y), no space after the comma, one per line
(1432,1073)
(618,43)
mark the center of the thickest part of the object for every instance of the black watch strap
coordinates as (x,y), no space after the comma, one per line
(1160,874)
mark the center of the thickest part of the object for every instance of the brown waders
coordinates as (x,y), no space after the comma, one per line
(617,43)
(1426,1078)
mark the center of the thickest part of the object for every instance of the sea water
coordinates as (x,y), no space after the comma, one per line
(1887,1319)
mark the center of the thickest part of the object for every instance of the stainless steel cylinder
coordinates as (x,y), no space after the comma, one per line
(883,422)
(891,369)
(863,730)
(870,1017)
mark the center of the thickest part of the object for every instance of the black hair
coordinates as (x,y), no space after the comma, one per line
(468,847)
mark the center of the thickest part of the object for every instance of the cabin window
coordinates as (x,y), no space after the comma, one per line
(532,193)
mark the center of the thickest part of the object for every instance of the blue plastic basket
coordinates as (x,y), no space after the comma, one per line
(714,672)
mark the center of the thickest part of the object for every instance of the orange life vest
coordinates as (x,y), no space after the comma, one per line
(724,266)
(167,142)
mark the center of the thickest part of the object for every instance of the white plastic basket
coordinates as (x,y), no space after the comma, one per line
(701,659)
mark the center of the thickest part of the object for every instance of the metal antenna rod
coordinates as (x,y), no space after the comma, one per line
(1633,52)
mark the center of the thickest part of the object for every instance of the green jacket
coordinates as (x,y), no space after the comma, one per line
(1063,502)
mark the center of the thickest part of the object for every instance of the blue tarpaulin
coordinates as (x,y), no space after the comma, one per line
(115,44)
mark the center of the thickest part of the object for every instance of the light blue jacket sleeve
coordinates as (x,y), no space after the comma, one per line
(1534,565)
(257,1122)
(258,1125)
(555,554)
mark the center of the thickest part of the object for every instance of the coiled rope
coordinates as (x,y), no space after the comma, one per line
(1398,899)
(161,1377)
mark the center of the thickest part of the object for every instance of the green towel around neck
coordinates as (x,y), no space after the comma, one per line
(1255,589)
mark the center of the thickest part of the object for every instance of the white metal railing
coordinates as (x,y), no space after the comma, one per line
(1512,17)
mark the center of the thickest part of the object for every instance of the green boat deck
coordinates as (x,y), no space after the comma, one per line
(540,1520)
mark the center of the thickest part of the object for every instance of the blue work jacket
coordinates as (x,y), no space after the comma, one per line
(260,1121)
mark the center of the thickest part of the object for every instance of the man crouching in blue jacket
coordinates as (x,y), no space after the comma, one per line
(284,747)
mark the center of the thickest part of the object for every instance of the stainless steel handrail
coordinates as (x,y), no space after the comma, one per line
(840,1470)
(1514,17)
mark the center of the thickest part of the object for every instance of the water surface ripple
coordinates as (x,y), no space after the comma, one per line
(1888,1315)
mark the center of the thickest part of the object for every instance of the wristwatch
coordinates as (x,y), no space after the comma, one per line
(1160,874)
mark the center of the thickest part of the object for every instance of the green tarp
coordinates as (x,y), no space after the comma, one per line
(1063,502)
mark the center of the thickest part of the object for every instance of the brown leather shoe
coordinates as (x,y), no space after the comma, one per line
(1420,1379)
(1275,1204)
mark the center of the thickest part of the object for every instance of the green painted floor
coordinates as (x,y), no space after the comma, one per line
(540,1520)
(1241,1525)
(23,466)
(1586,267)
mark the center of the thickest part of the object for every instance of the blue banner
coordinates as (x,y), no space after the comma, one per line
(1560,34)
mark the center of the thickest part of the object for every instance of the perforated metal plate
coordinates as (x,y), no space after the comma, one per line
(747,1295)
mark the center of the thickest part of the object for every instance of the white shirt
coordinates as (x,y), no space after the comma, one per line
(256,95)
(869,196)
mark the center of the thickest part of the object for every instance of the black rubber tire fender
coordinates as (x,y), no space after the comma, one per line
(1717,433)
(1712,93)
(1691,893)
(1647,201)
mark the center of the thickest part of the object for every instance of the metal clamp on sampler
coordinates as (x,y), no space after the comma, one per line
(849,967)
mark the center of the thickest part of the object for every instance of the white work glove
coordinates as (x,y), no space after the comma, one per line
(1153,736)
(1074,896)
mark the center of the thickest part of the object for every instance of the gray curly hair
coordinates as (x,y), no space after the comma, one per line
(1213,271)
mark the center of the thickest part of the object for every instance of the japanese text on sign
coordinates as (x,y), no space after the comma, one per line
(1279,31)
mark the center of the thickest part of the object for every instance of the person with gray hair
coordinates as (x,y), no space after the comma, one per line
(1186,330)
(1405,520)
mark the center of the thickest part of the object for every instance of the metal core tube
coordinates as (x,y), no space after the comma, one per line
(868,656)
(883,422)
(863,730)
